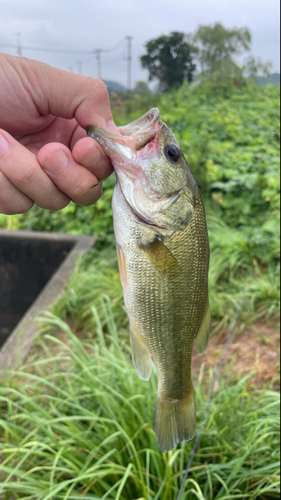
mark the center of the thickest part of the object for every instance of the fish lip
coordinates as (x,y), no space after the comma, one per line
(97,132)
(134,135)
(143,123)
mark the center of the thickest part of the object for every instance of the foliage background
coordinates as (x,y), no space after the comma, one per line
(230,138)
(76,422)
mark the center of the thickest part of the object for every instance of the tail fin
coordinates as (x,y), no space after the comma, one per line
(175,420)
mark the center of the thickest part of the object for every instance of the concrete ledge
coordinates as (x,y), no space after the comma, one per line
(20,341)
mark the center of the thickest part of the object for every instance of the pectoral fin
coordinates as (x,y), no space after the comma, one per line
(201,341)
(160,257)
(141,358)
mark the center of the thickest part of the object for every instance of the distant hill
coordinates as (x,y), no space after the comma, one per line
(114,86)
(274,79)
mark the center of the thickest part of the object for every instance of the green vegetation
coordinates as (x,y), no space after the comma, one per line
(211,52)
(77,423)
(169,58)
(217,44)
(230,138)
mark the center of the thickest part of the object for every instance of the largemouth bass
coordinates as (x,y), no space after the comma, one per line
(163,255)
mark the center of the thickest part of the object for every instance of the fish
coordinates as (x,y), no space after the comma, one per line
(163,256)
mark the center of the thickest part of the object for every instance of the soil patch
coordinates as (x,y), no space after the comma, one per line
(255,349)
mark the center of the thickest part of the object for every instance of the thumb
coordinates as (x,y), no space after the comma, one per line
(68,95)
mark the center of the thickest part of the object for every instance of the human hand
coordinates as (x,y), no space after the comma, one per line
(45,156)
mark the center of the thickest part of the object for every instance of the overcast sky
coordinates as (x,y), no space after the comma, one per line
(87,25)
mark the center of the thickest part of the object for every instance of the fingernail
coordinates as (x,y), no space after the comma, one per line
(111,127)
(56,163)
(4,145)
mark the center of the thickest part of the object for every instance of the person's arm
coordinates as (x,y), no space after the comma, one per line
(45,156)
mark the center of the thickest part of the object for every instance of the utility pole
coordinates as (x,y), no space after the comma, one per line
(129,65)
(79,64)
(19,49)
(98,58)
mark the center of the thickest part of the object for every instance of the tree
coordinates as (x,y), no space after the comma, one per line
(223,79)
(217,44)
(141,88)
(254,67)
(169,58)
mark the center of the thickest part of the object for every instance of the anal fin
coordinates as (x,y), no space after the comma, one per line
(141,358)
(201,341)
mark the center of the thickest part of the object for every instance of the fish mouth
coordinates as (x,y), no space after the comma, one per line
(135,135)
(144,124)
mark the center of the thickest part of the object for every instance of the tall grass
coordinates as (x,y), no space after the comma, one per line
(76,422)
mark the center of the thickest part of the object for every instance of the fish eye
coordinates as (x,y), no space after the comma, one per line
(172,152)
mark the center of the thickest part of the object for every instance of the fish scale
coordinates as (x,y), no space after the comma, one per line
(163,256)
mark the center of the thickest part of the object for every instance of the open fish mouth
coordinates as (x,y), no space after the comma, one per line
(134,135)
(143,124)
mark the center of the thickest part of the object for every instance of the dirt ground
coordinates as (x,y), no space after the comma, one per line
(255,349)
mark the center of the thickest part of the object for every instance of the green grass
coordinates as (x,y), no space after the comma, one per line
(76,422)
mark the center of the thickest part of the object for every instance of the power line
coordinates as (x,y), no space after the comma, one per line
(212,391)
(52,50)
(94,53)
(114,46)
(45,49)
